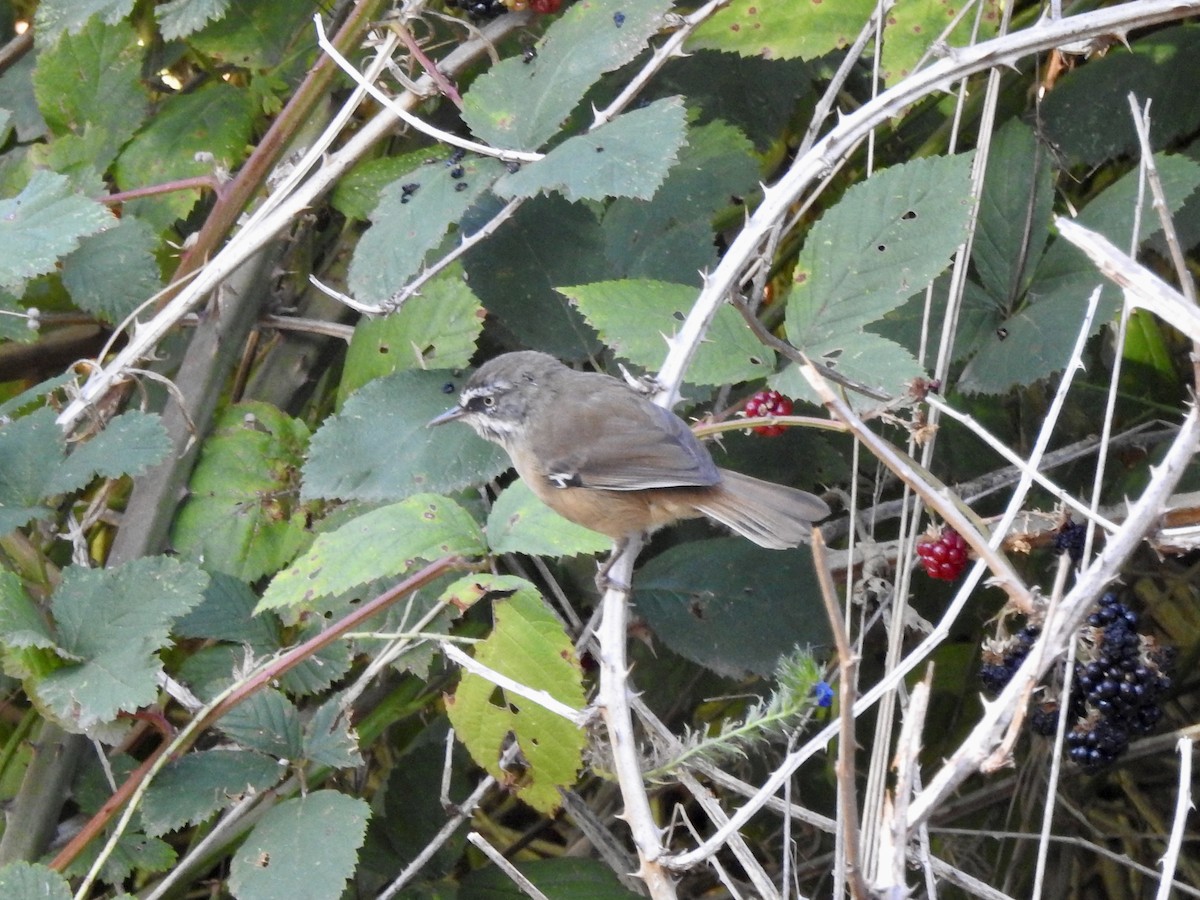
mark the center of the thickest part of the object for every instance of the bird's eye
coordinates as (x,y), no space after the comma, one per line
(489,401)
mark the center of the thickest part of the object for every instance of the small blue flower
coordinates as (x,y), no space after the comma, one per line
(823,693)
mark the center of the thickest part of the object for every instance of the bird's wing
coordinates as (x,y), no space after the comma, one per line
(646,447)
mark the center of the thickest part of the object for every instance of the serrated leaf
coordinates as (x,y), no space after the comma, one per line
(30,448)
(111,623)
(1034,342)
(241,516)
(521,523)
(627,157)
(114,272)
(671,237)
(1014,213)
(44,222)
(256,34)
(885,240)
(276,862)
(135,852)
(32,881)
(129,445)
(382,543)
(21,622)
(179,18)
(267,722)
(193,787)
(357,193)
(378,447)
(328,738)
(55,17)
(1086,116)
(214,121)
(516,271)
(731,606)
(519,105)
(16,94)
(94,78)
(527,644)
(436,329)
(912,27)
(412,217)
(808,28)
(862,355)
(634,316)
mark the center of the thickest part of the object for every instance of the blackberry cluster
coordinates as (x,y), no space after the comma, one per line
(479,10)
(1119,679)
(1001,660)
(1070,540)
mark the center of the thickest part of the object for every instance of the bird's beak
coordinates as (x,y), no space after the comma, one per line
(454,412)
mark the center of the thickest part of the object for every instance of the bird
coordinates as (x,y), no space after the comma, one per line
(601,455)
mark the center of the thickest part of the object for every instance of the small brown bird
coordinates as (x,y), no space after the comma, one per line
(603,456)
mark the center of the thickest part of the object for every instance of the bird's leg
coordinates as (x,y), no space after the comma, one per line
(603,582)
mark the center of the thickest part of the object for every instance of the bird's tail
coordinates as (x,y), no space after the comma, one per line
(771,515)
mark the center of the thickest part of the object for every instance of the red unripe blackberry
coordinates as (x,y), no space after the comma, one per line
(545,6)
(943,553)
(768,403)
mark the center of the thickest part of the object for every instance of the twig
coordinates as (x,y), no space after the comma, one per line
(907,762)
(438,134)
(541,697)
(847,742)
(498,860)
(1183,805)
(613,701)
(444,84)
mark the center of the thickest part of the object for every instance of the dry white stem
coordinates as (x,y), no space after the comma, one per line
(1021,465)
(542,698)
(1183,806)
(498,860)
(612,698)
(908,753)
(398,110)
(1142,288)
(753,869)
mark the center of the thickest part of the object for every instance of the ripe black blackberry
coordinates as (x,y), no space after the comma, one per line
(1003,659)
(1070,540)
(479,10)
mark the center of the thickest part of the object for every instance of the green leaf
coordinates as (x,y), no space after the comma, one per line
(1086,117)
(1014,213)
(179,18)
(129,445)
(547,243)
(671,237)
(633,317)
(30,448)
(16,94)
(1035,341)
(32,881)
(214,121)
(807,28)
(328,738)
(520,106)
(356,194)
(527,644)
(193,787)
(114,272)
(379,448)
(21,621)
(885,240)
(304,847)
(412,217)
(913,26)
(242,516)
(111,624)
(54,17)
(253,34)
(435,329)
(266,722)
(93,78)
(43,223)
(731,606)
(521,523)
(627,157)
(384,542)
